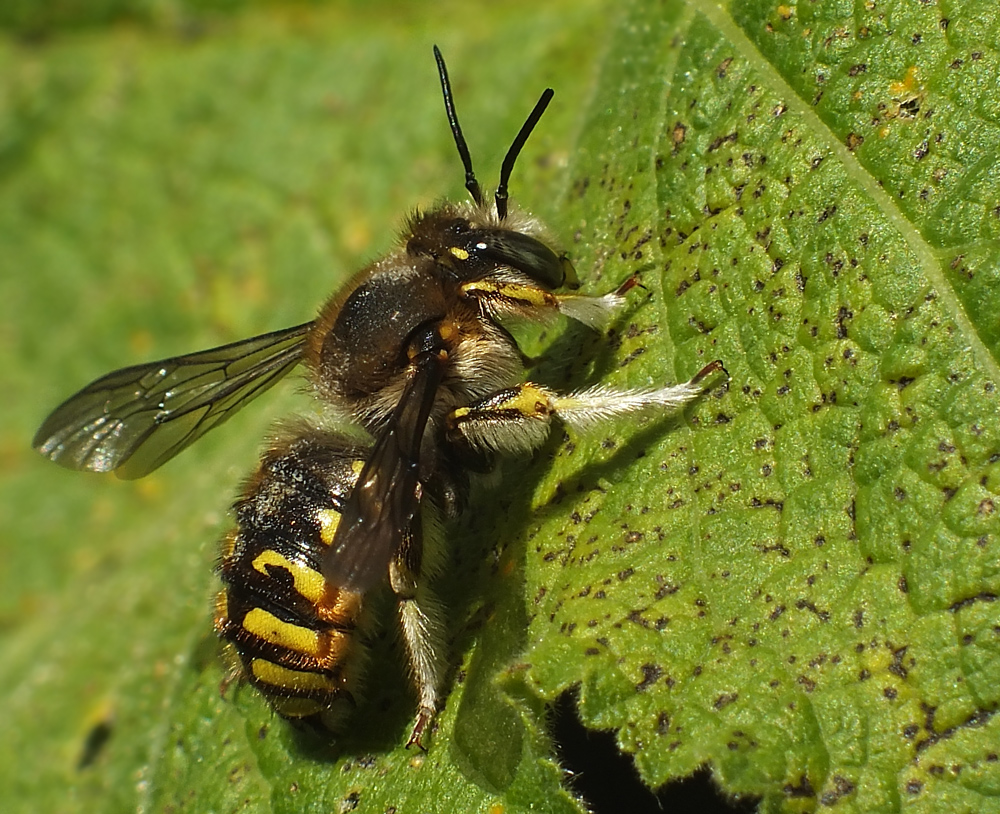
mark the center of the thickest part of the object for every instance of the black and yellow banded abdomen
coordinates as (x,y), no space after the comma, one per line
(295,635)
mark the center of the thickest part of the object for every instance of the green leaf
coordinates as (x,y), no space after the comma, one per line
(795,581)
(800,585)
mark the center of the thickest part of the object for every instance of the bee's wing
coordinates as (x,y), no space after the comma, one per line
(133,420)
(381,519)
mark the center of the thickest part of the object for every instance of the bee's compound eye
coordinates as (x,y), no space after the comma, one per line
(499,248)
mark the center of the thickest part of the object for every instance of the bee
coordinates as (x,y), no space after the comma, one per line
(413,351)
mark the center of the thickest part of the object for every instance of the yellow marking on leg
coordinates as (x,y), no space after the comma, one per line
(329,519)
(297,680)
(512,420)
(529,401)
(309,583)
(521,294)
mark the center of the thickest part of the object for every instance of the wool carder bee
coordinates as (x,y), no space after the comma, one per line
(414,352)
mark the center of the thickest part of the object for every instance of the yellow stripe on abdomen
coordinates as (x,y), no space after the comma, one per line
(328,520)
(309,583)
(326,647)
(283,678)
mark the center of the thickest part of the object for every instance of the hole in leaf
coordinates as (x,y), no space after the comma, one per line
(607,779)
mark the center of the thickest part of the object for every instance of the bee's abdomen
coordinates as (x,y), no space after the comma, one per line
(293,632)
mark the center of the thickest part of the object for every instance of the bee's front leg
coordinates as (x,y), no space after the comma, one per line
(518,419)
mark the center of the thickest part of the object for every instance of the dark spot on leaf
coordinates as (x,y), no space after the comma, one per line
(841,788)
(803,789)
(725,700)
(651,673)
(93,744)
(662,723)
(678,134)
(805,604)
(897,667)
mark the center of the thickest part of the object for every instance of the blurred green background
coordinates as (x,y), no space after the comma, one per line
(175,176)
(795,583)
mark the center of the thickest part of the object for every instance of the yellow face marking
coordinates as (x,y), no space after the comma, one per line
(329,519)
(460,254)
(278,676)
(308,583)
(296,638)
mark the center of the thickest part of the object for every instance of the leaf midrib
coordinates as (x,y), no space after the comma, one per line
(925,254)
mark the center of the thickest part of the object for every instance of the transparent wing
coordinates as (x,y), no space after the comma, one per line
(134,420)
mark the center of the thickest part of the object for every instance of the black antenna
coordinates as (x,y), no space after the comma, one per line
(508,163)
(507,167)
(471,183)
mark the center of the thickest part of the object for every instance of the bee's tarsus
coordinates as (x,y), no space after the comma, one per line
(712,367)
